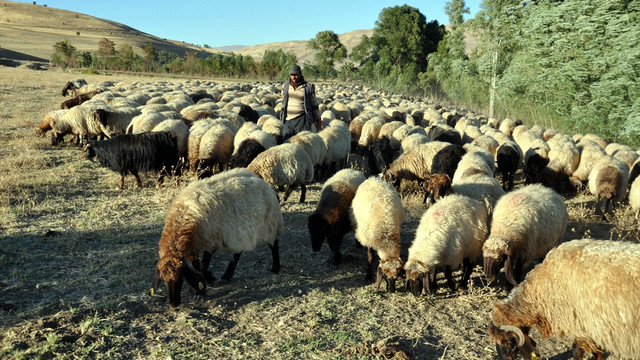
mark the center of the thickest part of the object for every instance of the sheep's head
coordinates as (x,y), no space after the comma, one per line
(318,229)
(391,269)
(416,277)
(439,185)
(173,270)
(494,253)
(511,340)
(88,152)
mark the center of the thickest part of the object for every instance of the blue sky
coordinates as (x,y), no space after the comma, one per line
(237,22)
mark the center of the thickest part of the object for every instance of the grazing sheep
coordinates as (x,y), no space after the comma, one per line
(472,163)
(414,164)
(445,162)
(590,153)
(526,224)
(72,86)
(216,214)
(81,121)
(78,99)
(338,141)
(284,164)
(370,131)
(331,219)
(115,121)
(608,181)
(586,290)
(216,147)
(450,233)
(445,133)
(246,152)
(313,144)
(508,160)
(49,121)
(180,129)
(380,156)
(136,153)
(145,122)
(377,213)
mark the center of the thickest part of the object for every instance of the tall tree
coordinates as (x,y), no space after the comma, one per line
(329,50)
(64,54)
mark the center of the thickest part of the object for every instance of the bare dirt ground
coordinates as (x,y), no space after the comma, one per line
(77,259)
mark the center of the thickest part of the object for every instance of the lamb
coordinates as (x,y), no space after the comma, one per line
(331,219)
(450,233)
(216,214)
(72,86)
(608,181)
(561,297)
(284,164)
(526,224)
(135,154)
(377,212)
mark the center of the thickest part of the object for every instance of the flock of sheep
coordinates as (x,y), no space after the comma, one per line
(229,135)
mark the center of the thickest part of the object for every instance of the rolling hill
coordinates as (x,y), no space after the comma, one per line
(29,31)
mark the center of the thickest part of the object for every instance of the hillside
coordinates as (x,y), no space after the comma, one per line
(28,32)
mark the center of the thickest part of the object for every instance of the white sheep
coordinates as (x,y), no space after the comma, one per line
(284,164)
(145,122)
(180,129)
(526,224)
(608,181)
(80,120)
(215,148)
(414,164)
(450,233)
(586,290)
(216,214)
(337,138)
(313,144)
(377,214)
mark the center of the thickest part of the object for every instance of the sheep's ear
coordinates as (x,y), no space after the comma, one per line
(155,283)
(509,266)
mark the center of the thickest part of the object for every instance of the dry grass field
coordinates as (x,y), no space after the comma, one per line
(77,258)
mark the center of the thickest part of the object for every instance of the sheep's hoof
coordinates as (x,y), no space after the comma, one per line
(223,282)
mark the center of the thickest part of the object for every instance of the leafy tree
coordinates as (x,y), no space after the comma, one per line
(64,54)
(126,58)
(106,51)
(150,56)
(275,64)
(329,50)
(362,52)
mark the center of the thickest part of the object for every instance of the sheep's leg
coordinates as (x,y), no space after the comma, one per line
(121,185)
(138,181)
(466,272)
(370,257)
(431,282)
(290,189)
(204,267)
(449,276)
(231,268)
(303,192)
(275,256)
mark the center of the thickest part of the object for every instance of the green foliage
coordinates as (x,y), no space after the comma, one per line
(275,64)
(64,54)
(329,50)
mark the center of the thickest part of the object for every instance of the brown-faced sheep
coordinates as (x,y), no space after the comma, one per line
(72,86)
(78,99)
(526,224)
(49,121)
(586,290)
(414,164)
(450,233)
(216,214)
(377,213)
(331,218)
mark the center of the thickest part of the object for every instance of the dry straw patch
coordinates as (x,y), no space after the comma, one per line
(78,257)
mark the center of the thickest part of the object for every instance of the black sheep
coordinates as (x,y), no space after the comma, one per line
(72,86)
(248,114)
(380,155)
(136,153)
(508,160)
(439,133)
(445,162)
(247,151)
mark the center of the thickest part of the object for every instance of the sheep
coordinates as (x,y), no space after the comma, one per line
(331,219)
(246,152)
(313,144)
(135,154)
(445,162)
(590,153)
(72,86)
(49,121)
(215,148)
(145,122)
(608,181)
(81,121)
(284,164)
(414,164)
(180,129)
(377,212)
(445,133)
(471,163)
(216,214)
(338,141)
(508,160)
(380,156)
(370,131)
(526,224)
(586,290)
(78,99)
(450,233)
(115,121)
